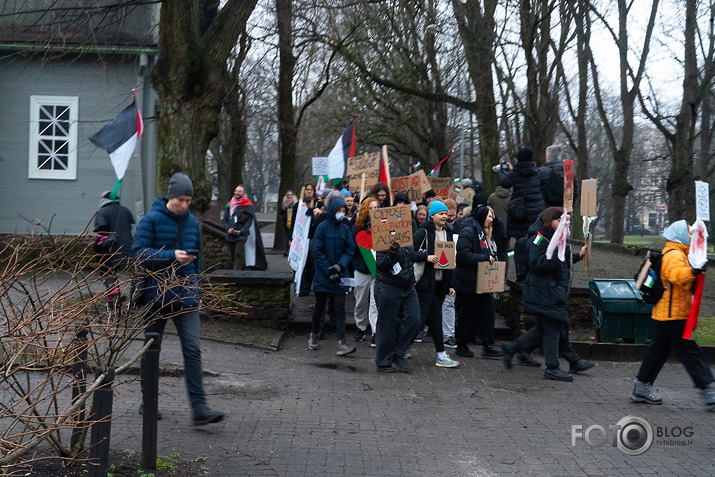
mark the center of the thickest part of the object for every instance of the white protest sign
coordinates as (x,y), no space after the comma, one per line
(320,166)
(702,200)
(300,243)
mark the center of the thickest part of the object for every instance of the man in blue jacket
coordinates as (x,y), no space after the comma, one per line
(167,243)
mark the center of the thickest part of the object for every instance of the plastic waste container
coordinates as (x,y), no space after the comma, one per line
(619,313)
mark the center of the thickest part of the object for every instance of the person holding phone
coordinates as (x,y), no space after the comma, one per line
(167,242)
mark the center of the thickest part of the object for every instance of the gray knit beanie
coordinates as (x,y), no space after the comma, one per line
(180,184)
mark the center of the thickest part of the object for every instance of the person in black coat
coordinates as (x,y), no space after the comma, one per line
(546,296)
(526,201)
(476,313)
(435,283)
(113,245)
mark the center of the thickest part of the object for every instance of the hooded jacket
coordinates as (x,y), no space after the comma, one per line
(678,279)
(472,248)
(526,187)
(155,242)
(331,245)
(428,282)
(385,265)
(499,201)
(117,220)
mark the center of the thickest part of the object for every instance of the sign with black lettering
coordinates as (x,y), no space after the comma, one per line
(441,186)
(414,185)
(368,164)
(391,224)
(490,277)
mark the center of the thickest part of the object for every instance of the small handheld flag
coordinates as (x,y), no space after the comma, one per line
(119,139)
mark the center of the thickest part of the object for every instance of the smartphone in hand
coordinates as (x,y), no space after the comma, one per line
(192,251)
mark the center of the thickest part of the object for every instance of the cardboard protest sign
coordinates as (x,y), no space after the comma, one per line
(368,164)
(391,224)
(702,200)
(461,195)
(490,277)
(320,166)
(446,254)
(414,185)
(589,189)
(441,186)
(568,185)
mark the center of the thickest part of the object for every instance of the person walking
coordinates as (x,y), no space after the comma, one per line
(332,249)
(476,313)
(670,315)
(434,284)
(168,243)
(113,245)
(365,306)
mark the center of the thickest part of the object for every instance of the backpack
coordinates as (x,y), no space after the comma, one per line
(554,192)
(648,279)
(521,258)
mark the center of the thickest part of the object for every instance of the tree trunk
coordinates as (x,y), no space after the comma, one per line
(287,130)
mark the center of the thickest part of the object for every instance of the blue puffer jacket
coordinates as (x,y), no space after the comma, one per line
(154,248)
(332,244)
(472,248)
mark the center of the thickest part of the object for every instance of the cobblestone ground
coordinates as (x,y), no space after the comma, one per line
(300,412)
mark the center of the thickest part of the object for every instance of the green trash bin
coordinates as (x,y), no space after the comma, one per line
(619,313)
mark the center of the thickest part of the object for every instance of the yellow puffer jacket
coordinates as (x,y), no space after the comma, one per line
(678,279)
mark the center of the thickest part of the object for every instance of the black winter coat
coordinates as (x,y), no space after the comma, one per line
(545,177)
(386,260)
(547,285)
(472,248)
(331,245)
(525,197)
(428,282)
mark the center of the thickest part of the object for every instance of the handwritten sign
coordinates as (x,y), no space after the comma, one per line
(702,200)
(320,166)
(414,185)
(391,224)
(368,164)
(568,185)
(490,277)
(461,195)
(441,186)
(446,253)
(589,190)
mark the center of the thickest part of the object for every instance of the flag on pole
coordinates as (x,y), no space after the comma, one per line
(435,172)
(119,138)
(385,171)
(344,148)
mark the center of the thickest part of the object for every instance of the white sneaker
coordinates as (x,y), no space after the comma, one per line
(446,362)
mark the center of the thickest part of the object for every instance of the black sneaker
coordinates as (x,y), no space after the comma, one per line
(359,335)
(580,365)
(372,340)
(490,352)
(464,351)
(450,342)
(509,348)
(386,369)
(141,412)
(556,374)
(207,416)
(525,359)
(401,364)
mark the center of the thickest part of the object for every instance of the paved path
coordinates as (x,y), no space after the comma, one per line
(300,412)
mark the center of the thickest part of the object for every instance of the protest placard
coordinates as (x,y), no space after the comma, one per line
(441,186)
(568,185)
(461,195)
(589,189)
(369,164)
(391,224)
(414,185)
(446,255)
(702,200)
(320,166)
(300,243)
(490,277)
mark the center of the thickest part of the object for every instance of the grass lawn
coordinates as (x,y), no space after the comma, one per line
(704,334)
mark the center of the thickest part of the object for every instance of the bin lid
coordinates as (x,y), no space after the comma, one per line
(615,289)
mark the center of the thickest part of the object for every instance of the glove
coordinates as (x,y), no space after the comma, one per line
(394,247)
(698,271)
(334,272)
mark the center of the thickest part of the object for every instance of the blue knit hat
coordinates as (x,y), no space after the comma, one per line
(436,206)
(346,193)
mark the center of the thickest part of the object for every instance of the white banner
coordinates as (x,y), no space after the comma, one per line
(320,166)
(300,243)
(702,200)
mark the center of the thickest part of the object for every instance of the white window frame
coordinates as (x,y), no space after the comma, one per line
(34,172)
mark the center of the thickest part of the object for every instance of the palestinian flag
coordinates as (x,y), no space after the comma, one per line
(344,148)
(435,172)
(364,243)
(119,138)
(538,239)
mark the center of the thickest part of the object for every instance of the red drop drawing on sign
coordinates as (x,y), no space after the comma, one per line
(443,262)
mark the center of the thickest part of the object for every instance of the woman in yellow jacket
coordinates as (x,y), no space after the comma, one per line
(670,314)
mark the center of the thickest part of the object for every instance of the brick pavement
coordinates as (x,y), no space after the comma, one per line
(300,412)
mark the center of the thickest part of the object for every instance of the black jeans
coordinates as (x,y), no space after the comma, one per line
(667,335)
(321,298)
(398,319)
(475,313)
(306,280)
(431,315)
(534,337)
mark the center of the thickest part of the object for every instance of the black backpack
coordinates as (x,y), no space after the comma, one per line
(554,193)
(651,286)
(521,258)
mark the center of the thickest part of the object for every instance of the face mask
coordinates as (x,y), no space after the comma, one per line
(339,216)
